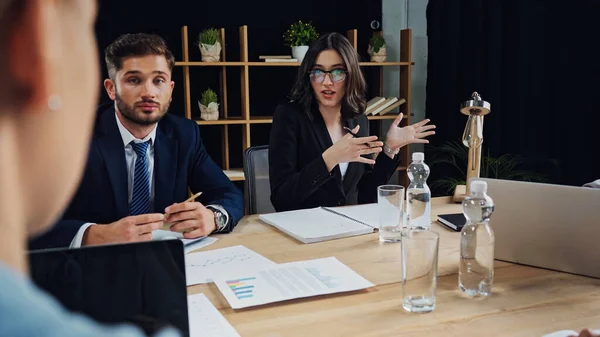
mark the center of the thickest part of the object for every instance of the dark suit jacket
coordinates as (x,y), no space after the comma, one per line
(180,162)
(298,175)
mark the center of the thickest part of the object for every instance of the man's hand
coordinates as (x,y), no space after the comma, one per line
(191,218)
(129,229)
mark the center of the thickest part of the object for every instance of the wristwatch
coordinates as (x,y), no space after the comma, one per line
(220,219)
(389,150)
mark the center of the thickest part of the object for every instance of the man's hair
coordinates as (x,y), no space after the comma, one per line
(135,45)
(10,13)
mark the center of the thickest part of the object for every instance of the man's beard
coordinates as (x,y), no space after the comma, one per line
(128,111)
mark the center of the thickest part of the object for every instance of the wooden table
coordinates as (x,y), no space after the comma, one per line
(525,301)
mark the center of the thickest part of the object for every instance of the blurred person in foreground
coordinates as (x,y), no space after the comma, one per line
(48,90)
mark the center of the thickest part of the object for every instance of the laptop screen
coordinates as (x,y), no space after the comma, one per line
(140,283)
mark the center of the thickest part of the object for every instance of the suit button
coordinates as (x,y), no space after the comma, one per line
(341,202)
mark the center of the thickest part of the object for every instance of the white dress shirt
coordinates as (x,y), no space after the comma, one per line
(343,169)
(130,157)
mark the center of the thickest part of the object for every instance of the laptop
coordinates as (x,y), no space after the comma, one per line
(141,283)
(549,226)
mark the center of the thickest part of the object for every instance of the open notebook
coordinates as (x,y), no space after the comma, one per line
(325,223)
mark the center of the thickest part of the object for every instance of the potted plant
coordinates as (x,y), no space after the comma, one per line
(209,106)
(452,158)
(209,42)
(377,48)
(299,36)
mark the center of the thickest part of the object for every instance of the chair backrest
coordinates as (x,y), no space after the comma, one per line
(258,188)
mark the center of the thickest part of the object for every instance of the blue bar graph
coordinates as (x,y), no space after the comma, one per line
(241,288)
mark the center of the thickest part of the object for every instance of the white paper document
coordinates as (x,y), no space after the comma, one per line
(188,244)
(205,320)
(203,267)
(287,281)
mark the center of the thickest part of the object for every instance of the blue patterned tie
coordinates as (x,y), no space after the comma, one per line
(140,198)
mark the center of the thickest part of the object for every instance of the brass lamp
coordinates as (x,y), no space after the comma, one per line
(472,138)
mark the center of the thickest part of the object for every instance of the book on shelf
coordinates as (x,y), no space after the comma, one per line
(281,60)
(372,103)
(388,101)
(263,57)
(392,107)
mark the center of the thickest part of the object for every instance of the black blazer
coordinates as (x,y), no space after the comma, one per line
(298,175)
(180,162)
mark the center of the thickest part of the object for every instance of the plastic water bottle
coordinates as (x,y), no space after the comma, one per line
(418,194)
(476,270)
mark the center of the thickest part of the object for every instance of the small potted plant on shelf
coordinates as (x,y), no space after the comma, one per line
(209,107)
(299,36)
(209,42)
(377,48)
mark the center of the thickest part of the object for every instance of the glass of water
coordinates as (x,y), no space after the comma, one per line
(390,203)
(419,269)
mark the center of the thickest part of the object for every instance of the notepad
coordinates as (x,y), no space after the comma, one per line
(325,223)
(454,221)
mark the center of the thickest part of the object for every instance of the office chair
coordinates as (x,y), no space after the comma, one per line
(258,188)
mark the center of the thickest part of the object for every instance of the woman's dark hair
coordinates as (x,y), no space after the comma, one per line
(353,102)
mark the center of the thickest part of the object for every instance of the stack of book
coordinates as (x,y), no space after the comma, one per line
(382,105)
(277,58)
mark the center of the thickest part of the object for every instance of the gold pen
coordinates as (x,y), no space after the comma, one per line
(167,226)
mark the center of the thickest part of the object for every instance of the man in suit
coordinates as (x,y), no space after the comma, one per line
(142,161)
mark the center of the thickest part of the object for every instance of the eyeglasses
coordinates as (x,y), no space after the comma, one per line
(336,75)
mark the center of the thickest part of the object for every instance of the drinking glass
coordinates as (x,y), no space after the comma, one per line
(419,269)
(390,203)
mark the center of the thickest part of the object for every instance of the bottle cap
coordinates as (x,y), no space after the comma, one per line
(418,156)
(478,186)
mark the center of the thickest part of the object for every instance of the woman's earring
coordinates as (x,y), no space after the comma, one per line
(54,102)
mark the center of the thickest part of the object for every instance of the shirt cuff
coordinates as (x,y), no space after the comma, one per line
(222,210)
(76,242)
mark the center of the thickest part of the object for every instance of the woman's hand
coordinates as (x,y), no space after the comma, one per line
(398,137)
(350,149)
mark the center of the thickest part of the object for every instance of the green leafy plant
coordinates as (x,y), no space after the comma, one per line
(376,42)
(300,34)
(208,36)
(455,154)
(208,96)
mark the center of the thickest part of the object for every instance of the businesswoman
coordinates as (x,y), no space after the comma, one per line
(314,159)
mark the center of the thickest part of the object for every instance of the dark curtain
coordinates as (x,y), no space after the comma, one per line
(537,63)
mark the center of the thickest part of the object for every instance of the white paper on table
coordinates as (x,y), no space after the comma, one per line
(199,244)
(206,320)
(188,244)
(567,333)
(203,267)
(288,281)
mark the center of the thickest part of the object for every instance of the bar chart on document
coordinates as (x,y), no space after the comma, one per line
(288,281)
(242,288)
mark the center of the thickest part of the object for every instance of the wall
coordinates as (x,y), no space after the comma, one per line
(397,15)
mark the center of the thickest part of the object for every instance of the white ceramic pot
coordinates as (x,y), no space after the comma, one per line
(380,56)
(210,112)
(298,52)
(210,53)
